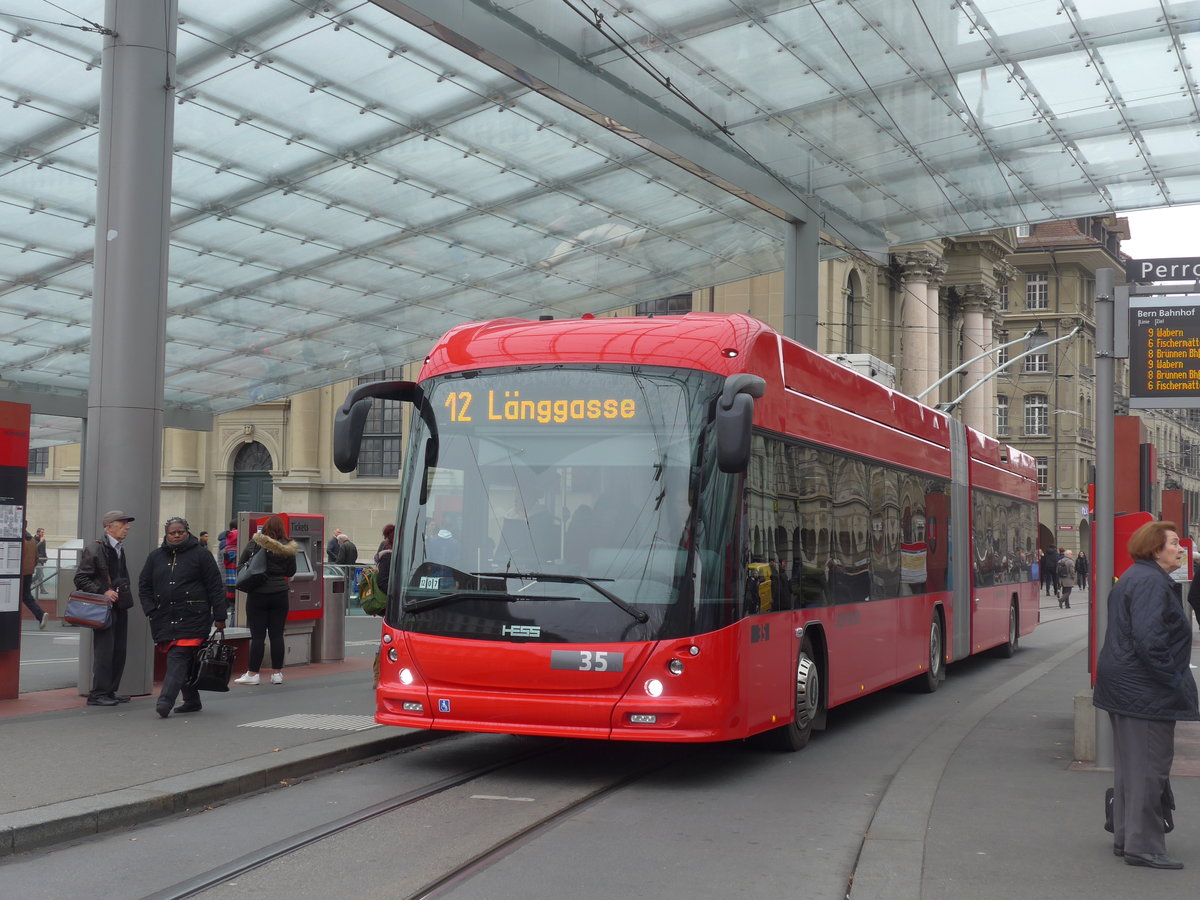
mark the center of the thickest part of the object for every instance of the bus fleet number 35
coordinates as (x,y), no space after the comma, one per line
(587,660)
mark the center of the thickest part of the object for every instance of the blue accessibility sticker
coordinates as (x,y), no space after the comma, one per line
(443,706)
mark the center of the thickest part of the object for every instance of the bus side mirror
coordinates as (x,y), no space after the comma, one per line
(351,418)
(734,418)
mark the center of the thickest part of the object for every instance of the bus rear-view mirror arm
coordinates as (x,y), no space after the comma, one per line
(734,413)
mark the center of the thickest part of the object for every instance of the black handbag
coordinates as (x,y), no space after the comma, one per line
(88,610)
(212,666)
(252,574)
(1168,805)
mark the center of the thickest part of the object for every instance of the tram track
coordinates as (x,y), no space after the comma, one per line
(482,858)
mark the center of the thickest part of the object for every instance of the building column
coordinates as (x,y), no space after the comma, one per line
(915,372)
(304,436)
(933,325)
(979,310)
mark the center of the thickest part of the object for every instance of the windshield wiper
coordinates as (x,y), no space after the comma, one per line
(415,606)
(638,614)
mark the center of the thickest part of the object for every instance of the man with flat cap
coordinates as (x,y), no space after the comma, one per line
(103,570)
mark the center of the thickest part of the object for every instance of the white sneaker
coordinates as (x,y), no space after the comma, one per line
(248,678)
(43,620)
(277,678)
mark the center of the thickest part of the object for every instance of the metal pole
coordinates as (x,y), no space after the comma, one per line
(801,265)
(1105,490)
(122,458)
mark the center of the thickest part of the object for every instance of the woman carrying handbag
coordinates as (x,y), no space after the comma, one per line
(267,605)
(183,596)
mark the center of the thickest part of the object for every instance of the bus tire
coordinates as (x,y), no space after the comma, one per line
(927,682)
(1009,647)
(796,734)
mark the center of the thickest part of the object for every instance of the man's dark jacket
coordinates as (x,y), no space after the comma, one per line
(99,569)
(182,591)
(1143,669)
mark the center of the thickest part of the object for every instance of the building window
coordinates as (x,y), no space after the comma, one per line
(1024,230)
(1037,290)
(379,452)
(1037,362)
(675,305)
(39,460)
(1004,298)
(1037,415)
(1043,472)
(1001,415)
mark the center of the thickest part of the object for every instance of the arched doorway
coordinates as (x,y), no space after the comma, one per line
(252,479)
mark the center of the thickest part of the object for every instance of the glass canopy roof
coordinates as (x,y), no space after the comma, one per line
(351,179)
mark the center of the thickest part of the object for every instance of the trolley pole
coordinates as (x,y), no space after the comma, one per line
(1105,490)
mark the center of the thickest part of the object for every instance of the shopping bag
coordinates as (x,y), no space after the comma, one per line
(88,610)
(253,572)
(212,666)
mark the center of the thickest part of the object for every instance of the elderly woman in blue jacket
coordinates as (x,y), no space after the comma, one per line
(1144,682)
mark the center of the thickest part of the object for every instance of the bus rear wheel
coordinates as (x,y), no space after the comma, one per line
(796,734)
(1009,647)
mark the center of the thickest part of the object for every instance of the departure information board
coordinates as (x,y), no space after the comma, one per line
(1164,353)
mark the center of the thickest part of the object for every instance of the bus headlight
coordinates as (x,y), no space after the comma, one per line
(675,667)
(406,677)
(654,687)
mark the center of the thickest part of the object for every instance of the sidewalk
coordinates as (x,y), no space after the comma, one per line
(65,781)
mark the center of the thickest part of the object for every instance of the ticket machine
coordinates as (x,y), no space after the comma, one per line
(306,598)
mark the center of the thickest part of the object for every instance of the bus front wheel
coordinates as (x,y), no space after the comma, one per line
(796,734)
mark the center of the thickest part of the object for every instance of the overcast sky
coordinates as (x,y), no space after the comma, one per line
(1164,233)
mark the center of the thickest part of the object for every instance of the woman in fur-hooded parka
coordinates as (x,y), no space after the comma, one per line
(267,607)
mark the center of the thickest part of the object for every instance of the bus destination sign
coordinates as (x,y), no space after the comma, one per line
(1164,353)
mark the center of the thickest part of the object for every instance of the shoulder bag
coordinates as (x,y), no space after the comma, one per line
(88,610)
(212,666)
(252,574)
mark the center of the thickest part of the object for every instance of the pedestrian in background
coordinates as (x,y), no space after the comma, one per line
(1046,570)
(332,546)
(1066,579)
(1082,567)
(102,570)
(1144,683)
(183,595)
(29,564)
(347,551)
(267,607)
(229,562)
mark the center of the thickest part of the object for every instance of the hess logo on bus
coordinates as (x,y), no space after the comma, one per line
(521,631)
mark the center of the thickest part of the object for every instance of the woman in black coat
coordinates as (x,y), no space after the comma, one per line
(1144,682)
(267,606)
(183,596)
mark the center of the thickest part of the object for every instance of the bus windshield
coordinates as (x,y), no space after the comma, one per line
(559,507)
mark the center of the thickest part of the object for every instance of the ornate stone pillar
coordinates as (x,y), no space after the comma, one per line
(933,328)
(304,435)
(916,270)
(979,310)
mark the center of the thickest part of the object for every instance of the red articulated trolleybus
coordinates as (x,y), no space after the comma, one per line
(684,528)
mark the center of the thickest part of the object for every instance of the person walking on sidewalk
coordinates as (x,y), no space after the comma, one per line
(1066,579)
(267,607)
(1081,570)
(183,596)
(29,565)
(102,570)
(1144,683)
